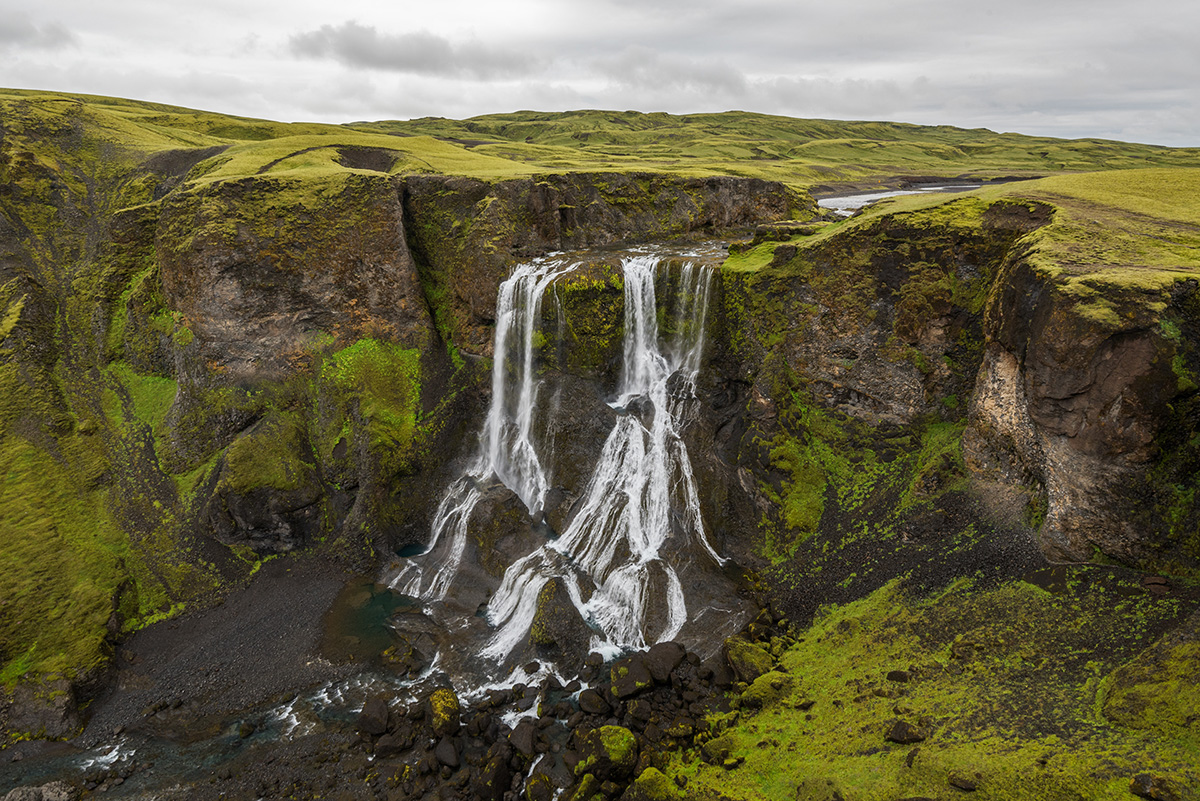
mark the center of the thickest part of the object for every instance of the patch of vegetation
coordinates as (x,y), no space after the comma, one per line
(61,559)
(1001,685)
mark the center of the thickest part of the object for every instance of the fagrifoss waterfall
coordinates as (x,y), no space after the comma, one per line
(633,558)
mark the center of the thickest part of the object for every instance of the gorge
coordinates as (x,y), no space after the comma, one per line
(349,464)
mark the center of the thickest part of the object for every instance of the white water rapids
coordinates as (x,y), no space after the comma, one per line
(637,522)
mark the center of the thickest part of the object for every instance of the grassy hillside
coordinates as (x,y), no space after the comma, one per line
(799,152)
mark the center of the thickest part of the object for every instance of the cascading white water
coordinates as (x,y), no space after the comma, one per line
(642,493)
(506,445)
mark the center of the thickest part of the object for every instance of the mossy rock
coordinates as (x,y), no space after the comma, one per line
(767,689)
(748,660)
(608,752)
(1159,689)
(444,712)
(651,785)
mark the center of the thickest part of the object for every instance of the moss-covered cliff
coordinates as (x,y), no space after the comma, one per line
(226,339)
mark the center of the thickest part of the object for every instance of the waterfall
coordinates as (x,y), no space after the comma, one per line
(637,523)
(506,450)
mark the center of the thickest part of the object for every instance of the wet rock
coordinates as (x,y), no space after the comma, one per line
(446,752)
(662,658)
(903,732)
(608,752)
(557,624)
(373,719)
(630,676)
(524,737)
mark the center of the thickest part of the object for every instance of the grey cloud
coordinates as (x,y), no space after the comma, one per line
(19,32)
(641,67)
(419,53)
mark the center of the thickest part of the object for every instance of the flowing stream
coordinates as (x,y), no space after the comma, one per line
(637,524)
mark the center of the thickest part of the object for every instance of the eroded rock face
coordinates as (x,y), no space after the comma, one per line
(263,269)
(1077,405)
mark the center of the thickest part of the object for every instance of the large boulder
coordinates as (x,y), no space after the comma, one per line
(608,752)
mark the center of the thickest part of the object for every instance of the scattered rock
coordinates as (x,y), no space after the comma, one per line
(902,732)
(965,783)
(748,661)
(630,676)
(446,752)
(1145,785)
(593,703)
(444,711)
(651,785)
(524,737)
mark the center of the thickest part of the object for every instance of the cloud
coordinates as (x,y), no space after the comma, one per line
(17,32)
(418,53)
(640,67)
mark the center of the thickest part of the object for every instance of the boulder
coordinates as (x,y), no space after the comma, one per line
(444,711)
(748,660)
(630,676)
(608,752)
(651,785)
(373,719)
(899,731)
(662,658)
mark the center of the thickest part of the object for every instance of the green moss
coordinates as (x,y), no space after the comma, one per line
(653,785)
(374,388)
(61,561)
(1004,684)
(609,749)
(269,456)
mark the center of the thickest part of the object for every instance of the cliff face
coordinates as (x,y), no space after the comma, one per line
(1088,408)
(1073,395)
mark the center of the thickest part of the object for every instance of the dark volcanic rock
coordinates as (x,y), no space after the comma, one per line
(662,658)
(1146,785)
(608,752)
(630,676)
(903,732)
(373,719)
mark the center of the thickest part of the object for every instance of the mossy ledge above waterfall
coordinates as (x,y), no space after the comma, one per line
(224,341)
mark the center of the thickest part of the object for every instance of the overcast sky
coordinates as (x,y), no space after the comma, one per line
(1071,68)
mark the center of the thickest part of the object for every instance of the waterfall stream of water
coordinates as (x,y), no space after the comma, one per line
(637,522)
